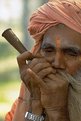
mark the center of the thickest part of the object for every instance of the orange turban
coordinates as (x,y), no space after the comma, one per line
(53,13)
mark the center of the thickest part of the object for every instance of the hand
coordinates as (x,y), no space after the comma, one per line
(54,93)
(39,65)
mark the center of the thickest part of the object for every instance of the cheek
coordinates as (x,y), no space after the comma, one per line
(73,66)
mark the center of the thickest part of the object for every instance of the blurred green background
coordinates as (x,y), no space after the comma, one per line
(13,14)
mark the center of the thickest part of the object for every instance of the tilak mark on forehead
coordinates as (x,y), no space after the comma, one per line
(58,42)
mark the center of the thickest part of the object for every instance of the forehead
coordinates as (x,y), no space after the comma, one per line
(67,36)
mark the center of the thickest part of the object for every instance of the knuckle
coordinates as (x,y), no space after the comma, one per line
(24,76)
(21,76)
(19,58)
(39,66)
(42,60)
(45,65)
(35,60)
(56,86)
(50,69)
(47,90)
(63,84)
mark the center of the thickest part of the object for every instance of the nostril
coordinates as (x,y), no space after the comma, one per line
(58,61)
(58,64)
(55,64)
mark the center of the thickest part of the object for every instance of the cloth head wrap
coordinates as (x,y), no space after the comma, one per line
(53,13)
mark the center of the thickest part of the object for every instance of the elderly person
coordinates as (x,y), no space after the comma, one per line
(52,84)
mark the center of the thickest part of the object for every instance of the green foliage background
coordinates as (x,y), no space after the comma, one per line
(9,73)
(9,77)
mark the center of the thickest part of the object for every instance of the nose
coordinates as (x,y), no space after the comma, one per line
(58,61)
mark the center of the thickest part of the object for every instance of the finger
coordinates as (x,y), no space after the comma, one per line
(51,76)
(36,80)
(35,61)
(31,87)
(22,74)
(25,78)
(46,72)
(55,79)
(21,59)
(51,84)
(26,81)
(40,66)
(46,79)
(58,79)
(38,55)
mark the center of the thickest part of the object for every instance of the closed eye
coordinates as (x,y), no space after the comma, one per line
(72,51)
(48,48)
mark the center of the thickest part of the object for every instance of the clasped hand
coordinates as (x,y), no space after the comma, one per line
(47,85)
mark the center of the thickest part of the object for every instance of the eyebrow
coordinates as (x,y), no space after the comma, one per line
(47,45)
(71,47)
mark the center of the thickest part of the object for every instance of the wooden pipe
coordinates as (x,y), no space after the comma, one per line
(9,35)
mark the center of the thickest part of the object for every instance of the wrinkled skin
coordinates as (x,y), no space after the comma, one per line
(67,55)
(60,49)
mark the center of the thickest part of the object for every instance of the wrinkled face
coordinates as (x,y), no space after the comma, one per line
(61,46)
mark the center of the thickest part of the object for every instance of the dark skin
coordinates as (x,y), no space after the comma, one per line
(60,49)
(67,55)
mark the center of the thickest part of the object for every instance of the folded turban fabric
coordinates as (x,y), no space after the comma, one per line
(53,13)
